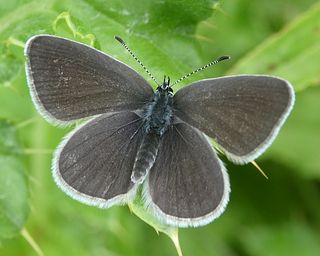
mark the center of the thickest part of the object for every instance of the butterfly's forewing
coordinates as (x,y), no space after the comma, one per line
(188,184)
(242,113)
(69,80)
(94,163)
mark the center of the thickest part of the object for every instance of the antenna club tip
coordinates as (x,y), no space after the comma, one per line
(119,39)
(224,57)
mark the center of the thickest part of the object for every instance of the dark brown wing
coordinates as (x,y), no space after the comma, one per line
(188,185)
(243,114)
(70,80)
(94,163)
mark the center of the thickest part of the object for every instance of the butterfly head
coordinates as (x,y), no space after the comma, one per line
(165,86)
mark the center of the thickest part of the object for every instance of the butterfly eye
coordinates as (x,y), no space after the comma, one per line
(170,90)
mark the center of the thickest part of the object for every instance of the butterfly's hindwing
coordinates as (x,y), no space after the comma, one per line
(94,163)
(188,184)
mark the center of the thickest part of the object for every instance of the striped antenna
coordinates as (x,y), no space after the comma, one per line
(134,56)
(202,68)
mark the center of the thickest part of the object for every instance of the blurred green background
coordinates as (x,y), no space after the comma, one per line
(279,216)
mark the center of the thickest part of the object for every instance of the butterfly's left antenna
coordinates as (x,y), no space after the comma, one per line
(134,56)
(202,68)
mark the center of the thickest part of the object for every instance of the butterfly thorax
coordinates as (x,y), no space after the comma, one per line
(158,112)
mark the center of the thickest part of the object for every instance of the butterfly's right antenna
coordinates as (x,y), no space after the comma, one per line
(134,56)
(202,68)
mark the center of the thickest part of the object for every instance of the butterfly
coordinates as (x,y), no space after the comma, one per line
(137,137)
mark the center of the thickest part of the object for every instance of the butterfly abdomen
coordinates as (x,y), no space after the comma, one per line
(146,157)
(157,119)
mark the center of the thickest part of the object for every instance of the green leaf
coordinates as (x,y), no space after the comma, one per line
(8,139)
(293,53)
(13,187)
(138,208)
(278,240)
(13,197)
